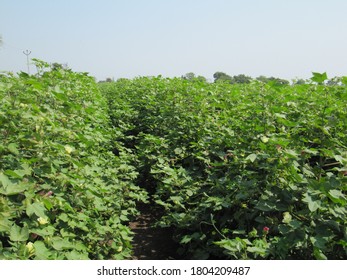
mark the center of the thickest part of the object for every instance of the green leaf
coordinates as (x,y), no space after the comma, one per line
(60,96)
(189,193)
(268,205)
(19,173)
(339,158)
(295,224)
(48,204)
(278,115)
(75,255)
(318,254)
(4,180)
(251,157)
(291,153)
(284,229)
(252,233)
(9,188)
(263,206)
(319,242)
(12,174)
(344,80)
(319,77)
(79,246)
(5,225)
(61,244)
(13,148)
(65,233)
(313,205)
(257,250)
(337,196)
(186,239)
(41,251)
(123,218)
(176,198)
(178,151)
(46,231)
(37,209)
(19,234)
(239,232)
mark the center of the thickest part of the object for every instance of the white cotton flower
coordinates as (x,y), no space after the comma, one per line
(30,248)
(68,149)
(264,139)
(42,221)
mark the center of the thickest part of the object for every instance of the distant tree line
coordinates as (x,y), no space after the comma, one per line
(237,79)
(243,79)
(221,77)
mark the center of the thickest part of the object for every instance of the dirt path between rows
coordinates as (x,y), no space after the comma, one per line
(150,242)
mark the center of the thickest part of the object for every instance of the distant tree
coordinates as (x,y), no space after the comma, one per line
(281,81)
(241,79)
(122,79)
(56,66)
(262,79)
(191,76)
(334,81)
(300,82)
(110,80)
(270,79)
(201,78)
(221,76)
(0,40)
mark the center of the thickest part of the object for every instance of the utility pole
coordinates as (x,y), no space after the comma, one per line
(27,53)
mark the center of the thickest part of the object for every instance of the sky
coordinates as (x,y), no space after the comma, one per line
(130,38)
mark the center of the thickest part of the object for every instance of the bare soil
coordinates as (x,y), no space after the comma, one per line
(151,242)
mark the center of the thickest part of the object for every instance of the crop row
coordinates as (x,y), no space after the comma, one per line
(254,171)
(64,194)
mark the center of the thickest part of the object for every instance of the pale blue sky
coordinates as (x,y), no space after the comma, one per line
(131,38)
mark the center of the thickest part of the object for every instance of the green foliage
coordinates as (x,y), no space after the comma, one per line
(319,77)
(242,171)
(63,193)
